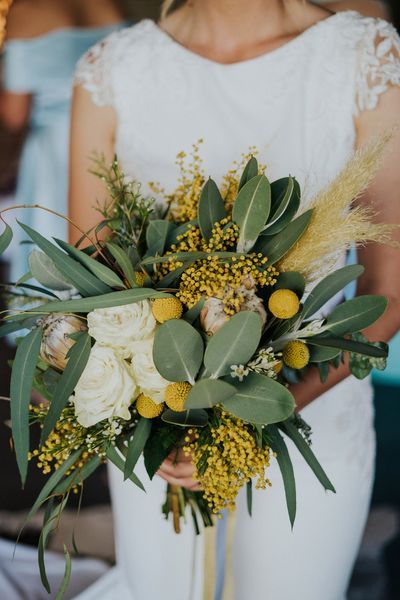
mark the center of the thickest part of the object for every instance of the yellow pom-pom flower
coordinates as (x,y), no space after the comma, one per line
(165,309)
(140,277)
(296,354)
(284,304)
(147,408)
(175,395)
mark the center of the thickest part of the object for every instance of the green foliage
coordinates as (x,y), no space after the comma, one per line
(123,261)
(22,374)
(101,271)
(251,210)
(277,246)
(290,429)
(377,350)
(206,393)
(259,399)
(250,171)
(234,343)
(157,234)
(278,445)
(291,280)
(356,314)
(329,287)
(193,313)
(178,351)
(285,204)
(84,281)
(210,209)
(43,269)
(161,442)
(85,305)
(136,442)
(5,239)
(361,365)
(115,457)
(186,418)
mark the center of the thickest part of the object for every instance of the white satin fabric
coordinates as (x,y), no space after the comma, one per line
(297,106)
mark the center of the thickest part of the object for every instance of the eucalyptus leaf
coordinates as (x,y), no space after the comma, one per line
(323,353)
(292,432)
(13,326)
(260,399)
(250,171)
(363,348)
(115,457)
(291,280)
(136,442)
(211,209)
(22,374)
(46,273)
(101,271)
(67,575)
(277,246)
(186,418)
(5,239)
(251,210)
(329,287)
(356,314)
(84,281)
(122,259)
(278,445)
(235,343)
(249,497)
(178,351)
(288,205)
(78,357)
(193,313)
(207,393)
(85,305)
(157,234)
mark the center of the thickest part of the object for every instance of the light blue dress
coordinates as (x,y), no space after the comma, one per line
(44,67)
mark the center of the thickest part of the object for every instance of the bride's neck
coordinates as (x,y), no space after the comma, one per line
(227,29)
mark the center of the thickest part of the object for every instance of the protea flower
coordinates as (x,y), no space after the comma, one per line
(56,339)
(213,315)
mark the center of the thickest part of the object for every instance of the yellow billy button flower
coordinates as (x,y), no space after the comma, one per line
(165,309)
(176,394)
(296,354)
(284,304)
(147,408)
(140,277)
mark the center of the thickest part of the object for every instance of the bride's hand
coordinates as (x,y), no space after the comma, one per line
(178,469)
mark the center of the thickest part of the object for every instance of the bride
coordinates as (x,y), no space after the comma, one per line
(305,87)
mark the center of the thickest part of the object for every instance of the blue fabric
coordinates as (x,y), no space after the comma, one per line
(44,67)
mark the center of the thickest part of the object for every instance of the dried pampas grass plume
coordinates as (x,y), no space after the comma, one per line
(336,225)
(4,8)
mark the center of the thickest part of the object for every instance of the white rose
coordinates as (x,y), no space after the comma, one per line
(119,326)
(105,389)
(151,383)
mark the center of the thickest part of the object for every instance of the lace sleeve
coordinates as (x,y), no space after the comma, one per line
(379,66)
(94,71)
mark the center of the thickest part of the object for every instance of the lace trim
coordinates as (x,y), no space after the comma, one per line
(379,64)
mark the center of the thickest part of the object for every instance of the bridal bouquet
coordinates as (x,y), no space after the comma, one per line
(182,331)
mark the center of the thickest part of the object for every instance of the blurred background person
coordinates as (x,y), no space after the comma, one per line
(45,38)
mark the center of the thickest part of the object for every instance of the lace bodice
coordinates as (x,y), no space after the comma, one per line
(296,104)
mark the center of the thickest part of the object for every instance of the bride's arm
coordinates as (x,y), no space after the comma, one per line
(382,263)
(92,131)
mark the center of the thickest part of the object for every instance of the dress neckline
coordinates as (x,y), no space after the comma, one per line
(265,55)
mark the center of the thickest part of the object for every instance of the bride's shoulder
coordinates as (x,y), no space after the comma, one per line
(105,62)
(368,49)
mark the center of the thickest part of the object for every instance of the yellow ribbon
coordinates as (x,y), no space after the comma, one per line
(210,559)
(230,533)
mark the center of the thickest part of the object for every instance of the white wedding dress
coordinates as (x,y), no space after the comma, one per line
(296,105)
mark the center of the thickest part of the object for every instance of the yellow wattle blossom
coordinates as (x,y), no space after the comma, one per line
(176,394)
(147,408)
(140,278)
(165,309)
(229,459)
(296,354)
(284,304)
